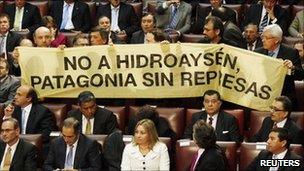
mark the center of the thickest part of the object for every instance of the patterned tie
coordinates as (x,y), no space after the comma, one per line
(275,125)
(7,159)
(210,121)
(23,131)
(69,159)
(264,22)
(88,127)
(18,19)
(2,48)
(65,17)
(193,162)
(271,53)
(174,18)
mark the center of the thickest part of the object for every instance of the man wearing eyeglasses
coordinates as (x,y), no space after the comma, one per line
(15,153)
(224,124)
(279,118)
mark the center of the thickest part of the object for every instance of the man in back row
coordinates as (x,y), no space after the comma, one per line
(225,124)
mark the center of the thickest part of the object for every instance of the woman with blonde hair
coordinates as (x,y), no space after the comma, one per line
(145,152)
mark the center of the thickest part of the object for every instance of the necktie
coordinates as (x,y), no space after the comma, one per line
(264,22)
(88,127)
(7,159)
(193,162)
(174,18)
(271,53)
(17,21)
(210,121)
(250,46)
(275,125)
(69,159)
(65,17)
(2,48)
(23,124)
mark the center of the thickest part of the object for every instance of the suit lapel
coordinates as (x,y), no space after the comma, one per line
(108,11)
(219,124)
(25,14)
(75,10)
(2,149)
(18,151)
(17,114)
(31,119)
(62,152)
(79,152)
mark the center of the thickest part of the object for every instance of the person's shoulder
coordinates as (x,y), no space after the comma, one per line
(160,145)
(103,111)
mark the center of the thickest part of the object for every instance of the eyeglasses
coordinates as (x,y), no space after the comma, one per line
(267,38)
(274,109)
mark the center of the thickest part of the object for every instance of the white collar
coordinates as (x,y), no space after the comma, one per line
(280,155)
(282,123)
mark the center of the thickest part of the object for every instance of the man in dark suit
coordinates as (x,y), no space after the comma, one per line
(73,150)
(209,156)
(8,40)
(253,40)
(71,15)
(125,21)
(266,13)
(148,22)
(280,109)
(277,149)
(272,38)
(33,117)
(8,84)
(15,153)
(225,124)
(23,16)
(93,119)
(202,14)
(231,31)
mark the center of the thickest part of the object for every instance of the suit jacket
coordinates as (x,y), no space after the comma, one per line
(296,135)
(212,159)
(163,16)
(31,17)
(40,121)
(104,120)
(25,156)
(156,159)
(297,25)
(198,26)
(14,68)
(264,155)
(138,37)
(226,126)
(254,15)
(286,52)
(258,44)
(127,18)
(8,89)
(234,34)
(12,41)
(81,17)
(88,156)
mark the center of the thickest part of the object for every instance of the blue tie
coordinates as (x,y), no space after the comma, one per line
(69,159)
(174,18)
(65,16)
(271,53)
(264,22)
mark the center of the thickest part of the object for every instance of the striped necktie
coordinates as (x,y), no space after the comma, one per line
(65,17)
(264,22)
(174,18)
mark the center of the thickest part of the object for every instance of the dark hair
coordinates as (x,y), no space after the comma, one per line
(2,15)
(77,37)
(33,95)
(221,13)
(148,112)
(217,24)
(72,123)
(148,13)
(3,60)
(287,104)
(212,92)
(204,134)
(104,34)
(13,120)
(85,96)
(48,19)
(283,135)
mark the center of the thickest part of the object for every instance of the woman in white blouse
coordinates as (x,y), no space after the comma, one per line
(145,152)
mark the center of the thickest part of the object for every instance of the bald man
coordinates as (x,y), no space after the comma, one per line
(42,37)
(32,117)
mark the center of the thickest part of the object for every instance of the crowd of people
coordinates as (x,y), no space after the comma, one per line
(262,31)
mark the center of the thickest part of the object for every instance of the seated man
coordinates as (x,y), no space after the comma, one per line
(251,34)
(93,119)
(148,22)
(277,148)
(281,108)
(99,37)
(225,124)
(296,28)
(73,150)
(8,84)
(17,153)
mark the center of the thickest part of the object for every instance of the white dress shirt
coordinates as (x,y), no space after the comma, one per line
(74,152)
(13,149)
(277,156)
(114,18)
(213,121)
(199,153)
(282,123)
(26,115)
(69,25)
(84,124)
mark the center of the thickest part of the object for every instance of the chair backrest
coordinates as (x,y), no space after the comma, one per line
(59,113)
(250,150)
(152,7)
(99,138)
(295,9)
(43,6)
(299,85)
(237,113)
(191,38)
(185,151)
(174,116)
(298,118)
(256,120)
(238,8)
(35,139)
(1,6)
(138,8)
(92,8)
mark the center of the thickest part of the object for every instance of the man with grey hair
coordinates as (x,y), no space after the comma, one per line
(93,119)
(73,150)
(42,37)
(272,38)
